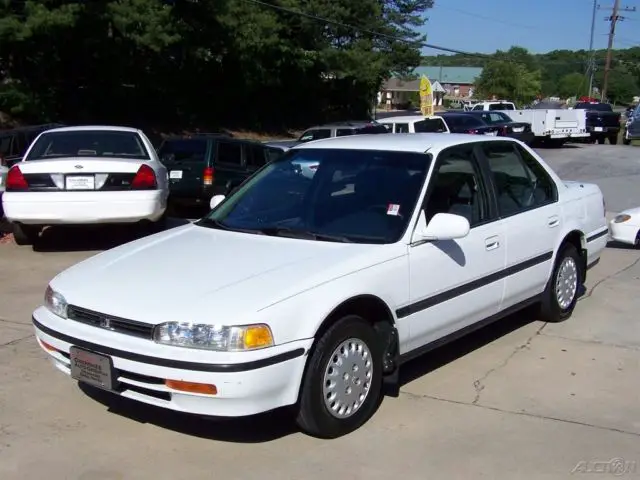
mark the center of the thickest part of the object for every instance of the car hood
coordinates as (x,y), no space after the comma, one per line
(194,270)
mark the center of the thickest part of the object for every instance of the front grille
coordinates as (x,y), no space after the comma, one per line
(108,322)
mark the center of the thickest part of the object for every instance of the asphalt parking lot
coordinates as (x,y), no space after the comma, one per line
(519,399)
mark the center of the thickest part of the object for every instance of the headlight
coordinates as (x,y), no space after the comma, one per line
(214,337)
(622,218)
(55,302)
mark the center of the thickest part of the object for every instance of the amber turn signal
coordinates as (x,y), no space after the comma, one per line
(46,346)
(191,387)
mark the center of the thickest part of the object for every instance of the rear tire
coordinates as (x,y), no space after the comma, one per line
(561,295)
(342,385)
(26,234)
(601,140)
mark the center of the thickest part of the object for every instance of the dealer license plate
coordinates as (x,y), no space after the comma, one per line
(80,183)
(518,129)
(597,129)
(175,174)
(91,368)
(493,134)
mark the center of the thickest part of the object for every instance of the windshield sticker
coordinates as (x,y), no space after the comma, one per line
(393,209)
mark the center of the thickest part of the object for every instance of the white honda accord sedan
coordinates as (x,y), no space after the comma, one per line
(309,289)
(85,175)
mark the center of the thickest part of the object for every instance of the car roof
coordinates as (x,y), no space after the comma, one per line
(84,128)
(346,124)
(402,142)
(407,118)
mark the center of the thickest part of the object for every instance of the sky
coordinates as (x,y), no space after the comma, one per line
(539,25)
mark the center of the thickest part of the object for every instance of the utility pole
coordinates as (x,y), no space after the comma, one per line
(592,59)
(613,19)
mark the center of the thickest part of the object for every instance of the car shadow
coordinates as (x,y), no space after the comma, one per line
(93,238)
(619,245)
(450,352)
(261,428)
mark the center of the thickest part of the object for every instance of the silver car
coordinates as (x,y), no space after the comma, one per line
(632,127)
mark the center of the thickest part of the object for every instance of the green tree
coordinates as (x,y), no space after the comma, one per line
(509,81)
(572,84)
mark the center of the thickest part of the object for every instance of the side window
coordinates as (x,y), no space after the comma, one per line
(229,153)
(343,132)
(521,182)
(477,107)
(316,134)
(457,187)
(273,154)
(402,128)
(430,125)
(256,156)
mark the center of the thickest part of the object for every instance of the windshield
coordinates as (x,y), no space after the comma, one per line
(365,196)
(88,143)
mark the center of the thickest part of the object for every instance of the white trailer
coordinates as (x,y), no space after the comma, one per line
(551,125)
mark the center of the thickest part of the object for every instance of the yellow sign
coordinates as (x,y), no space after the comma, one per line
(426,97)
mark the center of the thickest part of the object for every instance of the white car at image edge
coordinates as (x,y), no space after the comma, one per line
(85,175)
(311,289)
(625,227)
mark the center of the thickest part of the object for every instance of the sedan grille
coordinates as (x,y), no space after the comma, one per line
(108,322)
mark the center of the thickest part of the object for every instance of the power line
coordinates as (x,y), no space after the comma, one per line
(364,30)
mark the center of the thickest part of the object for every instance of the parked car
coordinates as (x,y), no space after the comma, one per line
(415,124)
(462,122)
(85,175)
(207,164)
(506,126)
(625,227)
(602,122)
(14,142)
(632,127)
(392,267)
(336,129)
(3,178)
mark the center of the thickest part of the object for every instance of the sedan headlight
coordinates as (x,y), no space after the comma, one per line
(622,218)
(214,337)
(55,302)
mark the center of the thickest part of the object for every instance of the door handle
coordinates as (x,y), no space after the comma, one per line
(491,243)
(553,221)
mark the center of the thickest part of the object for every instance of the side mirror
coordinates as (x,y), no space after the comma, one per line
(216,200)
(443,226)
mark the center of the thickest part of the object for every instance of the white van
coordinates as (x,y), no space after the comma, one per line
(415,124)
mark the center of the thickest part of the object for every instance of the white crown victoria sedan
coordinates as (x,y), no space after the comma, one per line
(312,289)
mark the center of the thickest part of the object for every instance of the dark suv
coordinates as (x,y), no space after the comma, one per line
(14,142)
(205,165)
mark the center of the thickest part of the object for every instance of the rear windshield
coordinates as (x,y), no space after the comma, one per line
(193,149)
(429,125)
(88,143)
(601,107)
(465,121)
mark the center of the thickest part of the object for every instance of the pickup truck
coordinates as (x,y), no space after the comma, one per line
(319,287)
(550,126)
(602,122)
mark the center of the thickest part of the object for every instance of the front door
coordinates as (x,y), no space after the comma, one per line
(527,201)
(456,283)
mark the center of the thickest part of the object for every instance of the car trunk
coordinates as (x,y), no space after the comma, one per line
(80,173)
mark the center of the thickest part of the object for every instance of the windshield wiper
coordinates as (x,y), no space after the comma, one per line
(211,223)
(294,233)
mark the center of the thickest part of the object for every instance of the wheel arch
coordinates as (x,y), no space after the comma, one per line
(578,239)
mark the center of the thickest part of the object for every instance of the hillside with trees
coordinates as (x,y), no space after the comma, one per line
(179,63)
(518,74)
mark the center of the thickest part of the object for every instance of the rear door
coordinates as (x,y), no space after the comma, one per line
(229,164)
(185,159)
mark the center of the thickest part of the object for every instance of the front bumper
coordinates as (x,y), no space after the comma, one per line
(247,382)
(79,208)
(624,232)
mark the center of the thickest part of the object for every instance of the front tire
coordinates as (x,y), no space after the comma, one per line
(561,295)
(26,234)
(342,386)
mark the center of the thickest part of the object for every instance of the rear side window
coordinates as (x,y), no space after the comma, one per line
(402,128)
(430,125)
(343,132)
(372,129)
(255,156)
(229,153)
(183,149)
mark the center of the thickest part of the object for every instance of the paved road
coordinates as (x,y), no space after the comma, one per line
(520,399)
